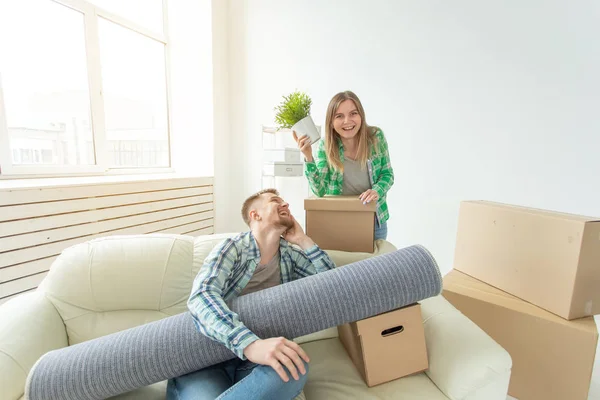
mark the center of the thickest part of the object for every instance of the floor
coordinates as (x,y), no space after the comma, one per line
(594,393)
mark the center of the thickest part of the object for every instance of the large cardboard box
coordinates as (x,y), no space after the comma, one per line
(552,357)
(341,223)
(387,346)
(547,258)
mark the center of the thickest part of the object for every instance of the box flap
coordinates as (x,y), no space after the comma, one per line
(338,203)
(538,211)
(376,324)
(463,284)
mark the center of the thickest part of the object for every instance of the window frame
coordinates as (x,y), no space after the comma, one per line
(91,14)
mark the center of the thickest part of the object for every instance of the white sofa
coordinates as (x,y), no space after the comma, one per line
(114,283)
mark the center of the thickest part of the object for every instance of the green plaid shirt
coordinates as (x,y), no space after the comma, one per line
(226,272)
(325,180)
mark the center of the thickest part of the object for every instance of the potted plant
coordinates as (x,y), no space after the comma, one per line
(294,113)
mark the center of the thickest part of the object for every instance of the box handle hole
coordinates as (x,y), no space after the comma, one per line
(393,331)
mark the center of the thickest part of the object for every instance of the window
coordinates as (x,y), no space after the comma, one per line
(83,86)
(148,13)
(135,94)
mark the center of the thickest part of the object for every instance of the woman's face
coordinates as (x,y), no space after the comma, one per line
(346,120)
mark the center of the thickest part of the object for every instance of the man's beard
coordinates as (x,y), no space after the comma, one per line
(286,223)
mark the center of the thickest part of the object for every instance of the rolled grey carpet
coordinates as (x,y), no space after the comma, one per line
(130,359)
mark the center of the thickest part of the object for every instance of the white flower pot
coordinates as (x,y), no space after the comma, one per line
(306,126)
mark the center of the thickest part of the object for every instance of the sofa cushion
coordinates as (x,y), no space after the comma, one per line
(29,327)
(158,391)
(341,258)
(118,282)
(332,376)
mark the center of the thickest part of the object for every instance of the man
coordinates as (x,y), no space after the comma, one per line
(251,261)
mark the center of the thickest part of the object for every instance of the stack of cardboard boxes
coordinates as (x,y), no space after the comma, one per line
(384,347)
(531,279)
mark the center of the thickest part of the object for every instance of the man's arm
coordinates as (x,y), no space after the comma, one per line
(311,260)
(212,316)
(214,319)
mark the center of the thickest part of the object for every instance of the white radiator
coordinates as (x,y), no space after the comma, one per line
(37,222)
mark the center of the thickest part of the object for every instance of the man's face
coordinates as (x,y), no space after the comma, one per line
(274,211)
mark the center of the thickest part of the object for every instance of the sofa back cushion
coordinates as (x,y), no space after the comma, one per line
(118,282)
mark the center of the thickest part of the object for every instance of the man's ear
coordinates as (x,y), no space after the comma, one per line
(254,216)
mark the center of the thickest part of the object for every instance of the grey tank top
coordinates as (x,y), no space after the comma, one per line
(265,276)
(356,179)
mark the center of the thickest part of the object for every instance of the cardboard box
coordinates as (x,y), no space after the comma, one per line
(341,223)
(552,357)
(547,258)
(387,346)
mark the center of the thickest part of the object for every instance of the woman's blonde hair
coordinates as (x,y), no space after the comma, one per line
(366,133)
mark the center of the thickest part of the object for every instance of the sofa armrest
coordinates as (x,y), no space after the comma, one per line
(30,326)
(464,362)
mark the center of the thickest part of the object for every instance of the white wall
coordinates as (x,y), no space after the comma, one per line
(223,179)
(191,78)
(479,100)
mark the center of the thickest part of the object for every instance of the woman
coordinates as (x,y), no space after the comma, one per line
(353,159)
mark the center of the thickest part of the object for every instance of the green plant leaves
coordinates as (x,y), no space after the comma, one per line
(293,108)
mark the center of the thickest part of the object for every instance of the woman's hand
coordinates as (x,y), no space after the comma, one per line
(368,196)
(304,146)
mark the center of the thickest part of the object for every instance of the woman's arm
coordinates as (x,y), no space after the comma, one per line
(317,171)
(385,180)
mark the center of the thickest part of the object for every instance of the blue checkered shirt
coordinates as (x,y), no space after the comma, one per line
(227,270)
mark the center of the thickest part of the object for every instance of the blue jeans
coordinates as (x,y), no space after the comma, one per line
(235,379)
(380,230)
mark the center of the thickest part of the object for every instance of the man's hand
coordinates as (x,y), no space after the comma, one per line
(295,235)
(277,352)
